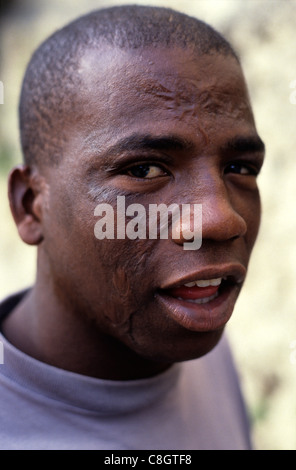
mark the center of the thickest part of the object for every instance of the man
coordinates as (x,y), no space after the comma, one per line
(119,344)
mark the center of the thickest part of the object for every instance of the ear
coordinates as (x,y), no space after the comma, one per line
(25,198)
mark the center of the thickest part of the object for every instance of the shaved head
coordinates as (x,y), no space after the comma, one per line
(53,81)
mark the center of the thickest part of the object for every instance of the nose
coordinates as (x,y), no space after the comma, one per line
(220,220)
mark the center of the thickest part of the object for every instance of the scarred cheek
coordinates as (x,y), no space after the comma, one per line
(122,301)
(130,283)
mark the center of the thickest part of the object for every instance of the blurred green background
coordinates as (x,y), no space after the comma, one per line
(262,330)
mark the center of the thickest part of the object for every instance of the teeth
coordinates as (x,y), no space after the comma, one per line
(190,284)
(205,283)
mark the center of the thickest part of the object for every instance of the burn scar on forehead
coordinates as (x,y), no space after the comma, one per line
(189,97)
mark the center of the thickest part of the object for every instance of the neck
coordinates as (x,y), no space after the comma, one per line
(46,330)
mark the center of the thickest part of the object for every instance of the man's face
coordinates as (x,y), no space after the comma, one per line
(161,126)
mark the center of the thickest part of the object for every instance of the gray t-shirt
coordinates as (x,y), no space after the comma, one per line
(193,405)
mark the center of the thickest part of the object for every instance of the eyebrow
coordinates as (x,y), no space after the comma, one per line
(241,144)
(147,141)
(238,144)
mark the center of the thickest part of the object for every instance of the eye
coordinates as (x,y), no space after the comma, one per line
(146,171)
(241,169)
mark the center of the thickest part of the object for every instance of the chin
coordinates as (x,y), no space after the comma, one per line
(186,347)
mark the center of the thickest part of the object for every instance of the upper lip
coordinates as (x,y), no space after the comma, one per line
(235,271)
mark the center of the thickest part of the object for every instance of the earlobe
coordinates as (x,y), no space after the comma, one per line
(25,202)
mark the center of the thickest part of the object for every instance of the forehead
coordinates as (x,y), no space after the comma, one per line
(160,90)
(171,75)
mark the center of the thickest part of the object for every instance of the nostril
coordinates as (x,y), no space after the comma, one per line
(223,222)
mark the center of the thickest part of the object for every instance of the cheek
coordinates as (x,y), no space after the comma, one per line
(127,279)
(108,281)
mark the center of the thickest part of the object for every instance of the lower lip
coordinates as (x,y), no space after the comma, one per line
(209,316)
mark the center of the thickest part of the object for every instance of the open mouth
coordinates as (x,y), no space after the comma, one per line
(203,304)
(199,291)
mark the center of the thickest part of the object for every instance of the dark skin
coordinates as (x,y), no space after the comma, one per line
(104,308)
